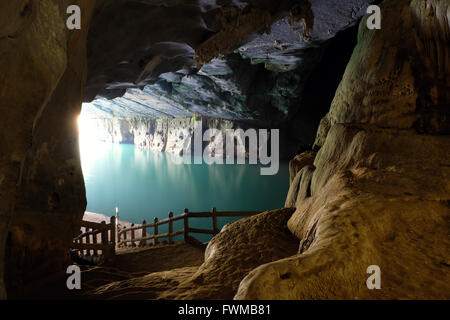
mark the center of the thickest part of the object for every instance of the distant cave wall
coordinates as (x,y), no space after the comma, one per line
(41,185)
(169,134)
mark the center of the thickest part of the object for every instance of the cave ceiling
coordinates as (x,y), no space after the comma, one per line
(224,59)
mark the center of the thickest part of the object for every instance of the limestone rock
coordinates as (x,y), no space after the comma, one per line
(411,89)
(300,161)
(380,190)
(168,35)
(291,198)
(296,172)
(236,250)
(303,189)
(41,193)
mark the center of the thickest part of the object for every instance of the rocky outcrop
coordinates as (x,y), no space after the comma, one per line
(299,162)
(380,182)
(299,186)
(41,184)
(167,36)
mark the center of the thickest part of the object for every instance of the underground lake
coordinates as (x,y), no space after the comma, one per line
(145,184)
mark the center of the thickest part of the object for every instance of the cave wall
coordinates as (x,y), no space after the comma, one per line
(170,134)
(41,185)
(379,185)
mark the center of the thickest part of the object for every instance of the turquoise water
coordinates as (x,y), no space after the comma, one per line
(145,184)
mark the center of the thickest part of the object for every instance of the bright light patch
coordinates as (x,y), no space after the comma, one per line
(87,129)
(91,137)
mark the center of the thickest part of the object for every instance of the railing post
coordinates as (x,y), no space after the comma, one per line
(144,234)
(156,230)
(88,241)
(125,237)
(117,216)
(109,240)
(186,225)
(214,221)
(113,235)
(94,241)
(170,227)
(132,236)
(104,240)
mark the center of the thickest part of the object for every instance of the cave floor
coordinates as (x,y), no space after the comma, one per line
(181,260)
(135,263)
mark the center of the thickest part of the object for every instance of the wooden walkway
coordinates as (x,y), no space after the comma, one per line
(100,240)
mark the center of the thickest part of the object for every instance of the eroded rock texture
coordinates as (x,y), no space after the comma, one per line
(41,184)
(380,182)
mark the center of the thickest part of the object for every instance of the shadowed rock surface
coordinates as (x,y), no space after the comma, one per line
(42,194)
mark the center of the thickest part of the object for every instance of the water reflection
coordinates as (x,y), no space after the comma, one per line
(146,184)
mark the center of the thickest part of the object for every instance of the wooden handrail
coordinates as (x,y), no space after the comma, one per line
(223,214)
(152,224)
(89,246)
(111,237)
(205,231)
(86,234)
(94,225)
(218,214)
(152,237)
(107,243)
(123,238)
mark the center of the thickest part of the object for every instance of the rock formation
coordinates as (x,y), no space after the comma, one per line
(380,182)
(41,186)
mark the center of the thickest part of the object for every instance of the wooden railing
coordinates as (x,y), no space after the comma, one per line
(101,239)
(96,239)
(128,237)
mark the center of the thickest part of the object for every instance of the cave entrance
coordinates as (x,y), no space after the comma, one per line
(129,163)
